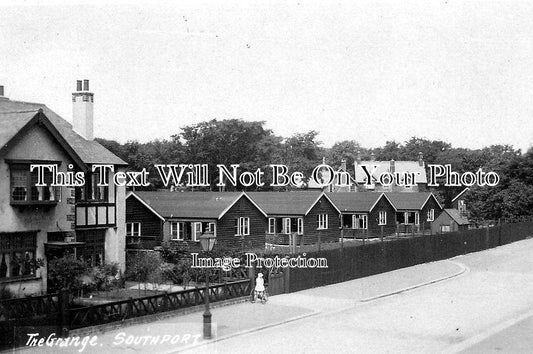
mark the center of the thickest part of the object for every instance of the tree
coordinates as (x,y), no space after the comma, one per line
(391,151)
(227,142)
(345,150)
(302,152)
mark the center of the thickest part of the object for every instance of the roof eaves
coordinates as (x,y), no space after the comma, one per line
(376,202)
(255,204)
(46,122)
(229,207)
(145,204)
(390,201)
(431,195)
(316,201)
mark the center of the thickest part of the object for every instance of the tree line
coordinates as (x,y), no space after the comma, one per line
(252,146)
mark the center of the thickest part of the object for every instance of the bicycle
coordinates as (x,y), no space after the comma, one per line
(262,295)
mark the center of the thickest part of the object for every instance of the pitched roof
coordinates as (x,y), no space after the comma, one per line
(456,216)
(355,202)
(410,200)
(325,176)
(14,115)
(197,205)
(286,203)
(384,166)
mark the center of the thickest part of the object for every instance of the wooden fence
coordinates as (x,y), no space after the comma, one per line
(372,258)
(54,313)
(148,305)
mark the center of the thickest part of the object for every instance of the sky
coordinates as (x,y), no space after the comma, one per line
(457,71)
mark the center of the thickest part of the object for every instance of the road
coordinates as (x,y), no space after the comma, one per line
(488,308)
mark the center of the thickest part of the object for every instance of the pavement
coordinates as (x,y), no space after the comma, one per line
(486,308)
(184,332)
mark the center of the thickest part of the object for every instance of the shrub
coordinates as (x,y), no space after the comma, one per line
(66,273)
(5,293)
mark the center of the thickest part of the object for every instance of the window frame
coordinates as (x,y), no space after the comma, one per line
(355,223)
(27,247)
(300,226)
(196,231)
(382,218)
(242,225)
(322,222)
(286,224)
(179,227)
(271,226)
(431,215)
(29,185)
(133,233)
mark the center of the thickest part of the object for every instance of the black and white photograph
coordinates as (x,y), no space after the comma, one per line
(271,176)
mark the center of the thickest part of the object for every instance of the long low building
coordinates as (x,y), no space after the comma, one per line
(248,220)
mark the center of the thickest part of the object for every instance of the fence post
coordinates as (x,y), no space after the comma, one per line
(225,290)
(397,230)
(342,254)
(129,308)
(251,274)
(165,301)
(63,298)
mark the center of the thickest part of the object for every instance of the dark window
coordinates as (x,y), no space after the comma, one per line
(91,191)
(94,249)
(24,188)
(17,255)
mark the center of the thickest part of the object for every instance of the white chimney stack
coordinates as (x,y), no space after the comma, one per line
(82,110)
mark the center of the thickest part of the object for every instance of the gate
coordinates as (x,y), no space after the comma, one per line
(276,281)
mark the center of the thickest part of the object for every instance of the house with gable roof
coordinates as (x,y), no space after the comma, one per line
(42,221)
(183,217)
(415,211)
(342,181)
(450,220)
(365,215)
(403,169)
(310,215)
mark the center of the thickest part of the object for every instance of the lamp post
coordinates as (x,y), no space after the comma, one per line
(207,241)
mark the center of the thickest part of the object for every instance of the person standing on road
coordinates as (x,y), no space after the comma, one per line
(259,286)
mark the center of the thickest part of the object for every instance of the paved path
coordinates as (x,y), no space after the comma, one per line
(182,332)
(488,308)
(477,303)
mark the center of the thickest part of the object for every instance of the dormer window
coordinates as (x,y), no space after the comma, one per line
(25,188)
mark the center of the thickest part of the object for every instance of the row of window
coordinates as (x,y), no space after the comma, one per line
(24,187)
(285,225)
(191,231)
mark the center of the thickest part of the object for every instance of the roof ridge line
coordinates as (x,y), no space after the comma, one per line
(25,111)
(27,102)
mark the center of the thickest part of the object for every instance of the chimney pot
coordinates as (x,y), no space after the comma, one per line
(82,110)
(372,157)
(358,159)
(421,159)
